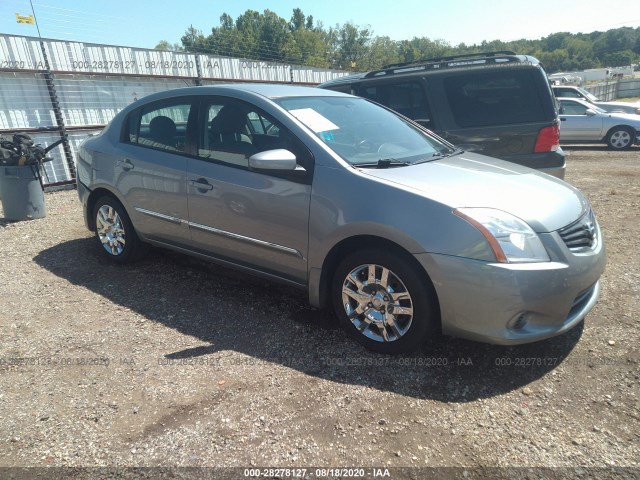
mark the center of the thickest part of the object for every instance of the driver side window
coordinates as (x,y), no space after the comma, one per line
(569,93)
(231,131)
(225,134)
(572,108)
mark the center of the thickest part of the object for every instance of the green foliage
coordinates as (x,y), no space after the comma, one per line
(301,40)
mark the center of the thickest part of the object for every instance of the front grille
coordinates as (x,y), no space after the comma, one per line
(582,234)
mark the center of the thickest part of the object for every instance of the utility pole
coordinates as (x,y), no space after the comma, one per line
(197,57)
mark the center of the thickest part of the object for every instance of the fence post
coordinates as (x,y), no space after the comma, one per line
(198,71)
(57,112)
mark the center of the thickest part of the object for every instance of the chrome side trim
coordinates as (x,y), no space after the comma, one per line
(205,228)
(263,243)
(161,216)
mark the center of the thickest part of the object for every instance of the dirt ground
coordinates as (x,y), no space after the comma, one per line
(176,362)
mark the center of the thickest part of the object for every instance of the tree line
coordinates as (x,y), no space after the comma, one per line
(302,41)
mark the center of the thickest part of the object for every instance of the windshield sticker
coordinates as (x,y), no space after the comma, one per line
(314,120)
(328,137)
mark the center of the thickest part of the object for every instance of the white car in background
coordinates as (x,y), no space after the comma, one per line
(582,94)
(582,122)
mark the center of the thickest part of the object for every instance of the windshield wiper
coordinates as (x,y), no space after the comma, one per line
(383,163)
(438,155)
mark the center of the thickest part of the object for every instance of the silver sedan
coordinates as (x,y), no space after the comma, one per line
(582,94)
(401,232)
(582,122)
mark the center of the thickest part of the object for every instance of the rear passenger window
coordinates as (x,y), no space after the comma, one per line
(161,126)
(407,99)
(494,98)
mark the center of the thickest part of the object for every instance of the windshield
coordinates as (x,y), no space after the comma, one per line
(363,133)
(588,95)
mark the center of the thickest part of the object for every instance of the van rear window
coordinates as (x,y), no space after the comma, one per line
(494,98)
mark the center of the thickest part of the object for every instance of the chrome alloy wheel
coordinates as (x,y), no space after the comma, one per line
(377,303)
(110,230)
(620,139)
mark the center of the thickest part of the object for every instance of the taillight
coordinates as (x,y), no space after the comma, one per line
(548,139)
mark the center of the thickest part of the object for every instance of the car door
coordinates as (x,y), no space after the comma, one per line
(576,124)
(258,219)
(151,172)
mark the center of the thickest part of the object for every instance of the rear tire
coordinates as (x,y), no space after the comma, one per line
(620,138)
(115,234)
(384,302)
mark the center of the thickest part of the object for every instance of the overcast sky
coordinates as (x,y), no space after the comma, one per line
(142,23)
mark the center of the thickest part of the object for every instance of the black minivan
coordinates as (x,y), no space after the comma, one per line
(499,104)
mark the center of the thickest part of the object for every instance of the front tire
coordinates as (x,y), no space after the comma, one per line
(114,231)
(383,302)
(620,138)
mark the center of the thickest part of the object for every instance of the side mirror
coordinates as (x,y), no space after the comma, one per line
(590,112)
(279,159)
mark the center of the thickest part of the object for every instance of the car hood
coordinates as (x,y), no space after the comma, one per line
(473,180)
(630,119)
(620,104)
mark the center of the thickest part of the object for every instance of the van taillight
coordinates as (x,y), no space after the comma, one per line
(548,139)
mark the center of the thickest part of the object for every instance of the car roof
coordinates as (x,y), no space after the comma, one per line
(577,100)
(267,90)
(273,90)
(440,65)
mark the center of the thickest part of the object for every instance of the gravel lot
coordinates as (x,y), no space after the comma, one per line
(175,362)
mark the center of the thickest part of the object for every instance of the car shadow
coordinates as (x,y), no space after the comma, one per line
(269,322)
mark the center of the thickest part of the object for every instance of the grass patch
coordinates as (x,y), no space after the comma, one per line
(628,99)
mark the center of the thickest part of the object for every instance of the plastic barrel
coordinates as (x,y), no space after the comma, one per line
(22,195)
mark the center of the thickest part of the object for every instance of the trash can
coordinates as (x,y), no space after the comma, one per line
(21,192)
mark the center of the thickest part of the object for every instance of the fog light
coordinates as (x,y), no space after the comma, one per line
(518,322)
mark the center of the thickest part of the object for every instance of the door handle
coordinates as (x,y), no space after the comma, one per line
(563,119)
(201,184)
(125,164)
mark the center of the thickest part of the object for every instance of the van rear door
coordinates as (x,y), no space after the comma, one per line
(504,112)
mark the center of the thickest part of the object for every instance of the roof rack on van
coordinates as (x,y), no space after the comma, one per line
(441,62)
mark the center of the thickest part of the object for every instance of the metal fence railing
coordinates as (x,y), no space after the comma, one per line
(629,88)
(615,88)
(51,89)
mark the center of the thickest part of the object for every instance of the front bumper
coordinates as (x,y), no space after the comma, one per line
(509,304)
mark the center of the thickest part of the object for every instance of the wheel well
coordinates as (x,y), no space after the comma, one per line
(348,245)
(91,202)
(618,127)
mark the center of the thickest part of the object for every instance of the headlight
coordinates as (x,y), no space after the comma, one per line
(511,239)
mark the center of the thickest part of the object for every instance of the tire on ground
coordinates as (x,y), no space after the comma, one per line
(119,242)
(382,301)
(621,137)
